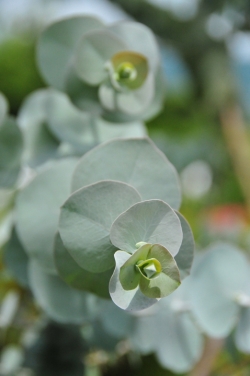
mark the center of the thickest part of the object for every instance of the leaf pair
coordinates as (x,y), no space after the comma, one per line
(106,70)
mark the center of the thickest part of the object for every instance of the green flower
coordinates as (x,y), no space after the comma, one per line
(109,70)
(153,269)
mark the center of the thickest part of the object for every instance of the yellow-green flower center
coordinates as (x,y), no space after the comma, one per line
(149,268)
(126,72)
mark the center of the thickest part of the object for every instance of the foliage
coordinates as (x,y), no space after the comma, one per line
(95,230)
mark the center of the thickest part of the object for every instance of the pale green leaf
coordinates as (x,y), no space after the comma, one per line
(75,276)
(38,209)
(57,44)
(92,54)
(40,144)
(86,219)
(150,221)
(60,302)
(216,280)
(242,333)
(16,259)
(11,148)
(130,102)
(134,161)
(66,122)
(185,256)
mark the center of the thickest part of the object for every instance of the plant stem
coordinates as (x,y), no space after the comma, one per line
(212,348)
(238,144)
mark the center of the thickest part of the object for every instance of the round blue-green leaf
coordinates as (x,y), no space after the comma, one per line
(3,107)
(137,101)
(134,161)
(38,209)
(242,333)
(57,44)
(131,102)
(40,144)
(16,259)
(86,219)
(150,221)
(107,131)
(92,54)
(61,302)
(180,343)
(11,148)
(116,321)
(132,300)
(84,96)
(157,103)
(75,276)
(185,256)
(66,122)
(169,331)
(216,280)
(140,39)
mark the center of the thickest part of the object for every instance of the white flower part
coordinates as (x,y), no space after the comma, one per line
(132,300)
(242,299)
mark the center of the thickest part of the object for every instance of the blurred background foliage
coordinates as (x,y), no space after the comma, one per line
(205,49)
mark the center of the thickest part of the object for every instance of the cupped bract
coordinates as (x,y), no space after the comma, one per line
(153,268)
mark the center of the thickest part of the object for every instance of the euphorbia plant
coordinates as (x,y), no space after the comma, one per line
(96,225)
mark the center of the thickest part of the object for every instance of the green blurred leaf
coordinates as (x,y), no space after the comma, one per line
(76,277)
(11,148)
(150,221)
(38,209)
(16,259)
(39,143)
(18,71)
(86,219)
(57,44)
(131,161)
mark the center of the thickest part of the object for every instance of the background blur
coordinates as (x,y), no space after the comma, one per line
(205,46)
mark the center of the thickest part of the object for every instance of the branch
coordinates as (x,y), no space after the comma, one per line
(238,144)
(212,348)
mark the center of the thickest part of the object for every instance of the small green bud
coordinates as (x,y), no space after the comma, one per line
(126,71)
(149,268)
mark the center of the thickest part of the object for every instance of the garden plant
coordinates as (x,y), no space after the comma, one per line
(94,227)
